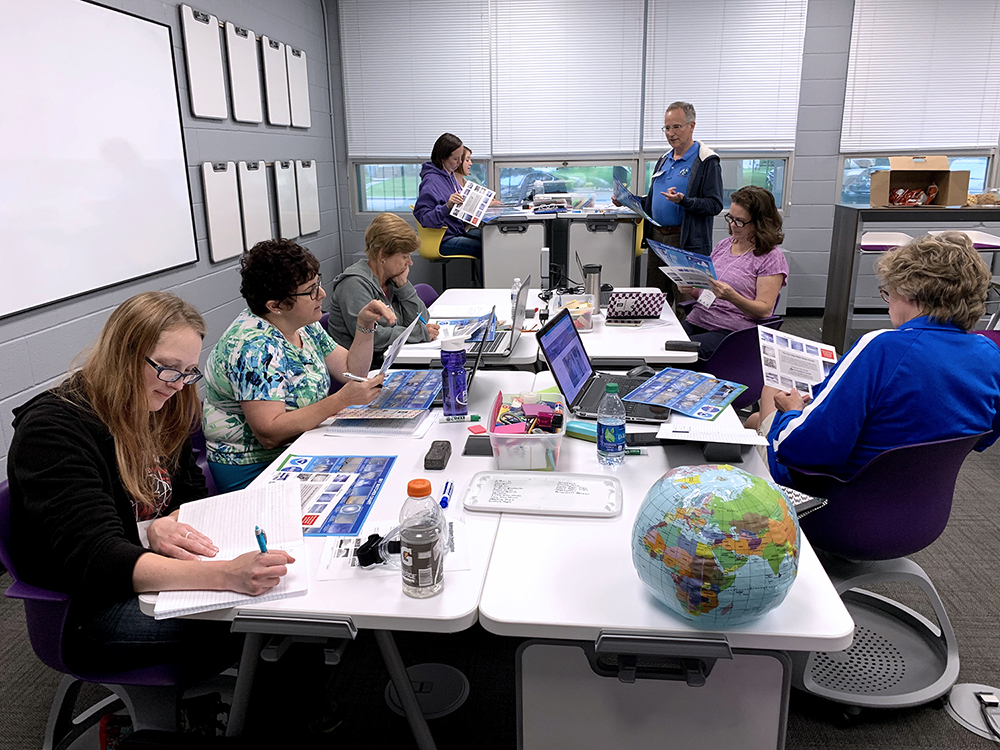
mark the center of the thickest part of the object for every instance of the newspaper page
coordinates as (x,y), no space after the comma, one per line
(475,200)
(792,362)
(682,267)
(624,196)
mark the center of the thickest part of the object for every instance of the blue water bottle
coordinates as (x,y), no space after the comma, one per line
(456,395)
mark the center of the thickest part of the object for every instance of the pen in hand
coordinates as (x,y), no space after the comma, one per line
(261,538)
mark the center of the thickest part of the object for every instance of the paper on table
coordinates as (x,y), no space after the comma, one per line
(697,433)
(229,521)
(449,312)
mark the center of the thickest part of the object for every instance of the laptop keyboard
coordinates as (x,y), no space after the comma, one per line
(498,342)
(625,386)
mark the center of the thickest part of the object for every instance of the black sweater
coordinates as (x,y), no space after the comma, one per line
(73,526)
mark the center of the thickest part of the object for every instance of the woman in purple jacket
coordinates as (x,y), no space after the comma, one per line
(439,193)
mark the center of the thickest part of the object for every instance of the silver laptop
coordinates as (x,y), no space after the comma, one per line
(580,384)
(503,342)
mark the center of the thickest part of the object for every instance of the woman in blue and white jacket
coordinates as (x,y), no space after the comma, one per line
(929,379)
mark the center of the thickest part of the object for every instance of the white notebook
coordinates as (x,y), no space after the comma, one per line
(229,521)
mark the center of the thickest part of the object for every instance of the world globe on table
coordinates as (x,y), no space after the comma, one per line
(716,544)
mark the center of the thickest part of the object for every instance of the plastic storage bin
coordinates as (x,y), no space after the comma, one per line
(581,309)
(526,452)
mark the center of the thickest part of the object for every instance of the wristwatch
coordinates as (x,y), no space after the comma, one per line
(361,329)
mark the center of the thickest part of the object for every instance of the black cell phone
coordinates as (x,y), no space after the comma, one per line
(641,439)
(478,445)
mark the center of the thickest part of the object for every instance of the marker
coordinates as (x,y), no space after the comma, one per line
(355,378)
(449,488)
(422,318)
(460,418)
(636,452)
(261,538)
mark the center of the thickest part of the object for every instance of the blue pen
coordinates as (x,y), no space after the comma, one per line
(261,538)
(422,318)
(449,488)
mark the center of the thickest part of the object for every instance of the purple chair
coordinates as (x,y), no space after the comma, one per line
(993,336)
(896,505)
(427,293)
(149,694)
(201,458)
(737,359)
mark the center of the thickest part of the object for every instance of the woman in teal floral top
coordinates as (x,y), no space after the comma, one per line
(267,379)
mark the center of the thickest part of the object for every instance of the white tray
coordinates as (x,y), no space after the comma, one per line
(588,495)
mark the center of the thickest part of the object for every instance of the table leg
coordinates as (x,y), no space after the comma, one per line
(401,681)
(252,645)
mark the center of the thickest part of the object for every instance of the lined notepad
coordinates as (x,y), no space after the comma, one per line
(229,521)
(710,434)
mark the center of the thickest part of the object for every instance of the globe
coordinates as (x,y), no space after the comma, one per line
(716,544)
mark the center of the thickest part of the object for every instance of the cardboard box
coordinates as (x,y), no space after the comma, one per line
(917,173)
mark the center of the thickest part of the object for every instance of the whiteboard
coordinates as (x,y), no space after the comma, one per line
(275,81)
(298,87)
(203,55)
(93,179)
(288,205)
(308,190)
(222,209)
(244,74)
(253,197)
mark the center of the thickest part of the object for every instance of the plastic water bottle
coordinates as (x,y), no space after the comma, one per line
(514,288)
(456,393)
(423,536)
(611,428)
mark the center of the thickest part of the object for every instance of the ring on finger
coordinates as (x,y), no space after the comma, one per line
(187,535)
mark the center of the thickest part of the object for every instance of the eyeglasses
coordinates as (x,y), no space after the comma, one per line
(171,375)
(736,222)
(313,292)
(675,128)
(884,293)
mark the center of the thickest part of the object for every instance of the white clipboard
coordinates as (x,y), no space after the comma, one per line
(203,55)
(298,87)
(222,209)
(288,209)
(308,189)
(244,73)
(538,493)
(275,81)
(253,199)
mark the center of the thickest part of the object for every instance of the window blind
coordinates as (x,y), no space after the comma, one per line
(566,77)
(922,75)
(739,62)
(414,69)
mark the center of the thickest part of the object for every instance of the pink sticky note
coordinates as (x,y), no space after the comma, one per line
(518,428)
(477,429)
(533,410)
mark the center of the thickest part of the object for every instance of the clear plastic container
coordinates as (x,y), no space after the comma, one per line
(582,309)
(527,452)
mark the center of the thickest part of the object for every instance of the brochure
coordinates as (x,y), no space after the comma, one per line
(336,493)
(474,329)
(393,351)
(690,393)
(628,199)
(402,391)
(682,267)
(475,200)
(792,362)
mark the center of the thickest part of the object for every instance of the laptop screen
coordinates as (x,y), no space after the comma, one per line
(563,350)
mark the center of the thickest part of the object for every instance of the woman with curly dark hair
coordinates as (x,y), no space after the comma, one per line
(750,267)
(267,380)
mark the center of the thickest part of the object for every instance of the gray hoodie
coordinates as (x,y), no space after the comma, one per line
(355,288)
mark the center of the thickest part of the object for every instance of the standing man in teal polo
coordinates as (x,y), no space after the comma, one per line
(685,194)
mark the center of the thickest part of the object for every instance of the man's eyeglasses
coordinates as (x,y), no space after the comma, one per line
(172,375)
(884,293)
(736,222)
(314,290)
(675,128)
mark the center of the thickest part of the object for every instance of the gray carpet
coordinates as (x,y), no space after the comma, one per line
(963,564)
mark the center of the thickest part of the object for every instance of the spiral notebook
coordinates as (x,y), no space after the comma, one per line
(229,521)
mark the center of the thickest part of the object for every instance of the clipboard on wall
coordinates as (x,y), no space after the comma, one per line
(244,73)
(275,81)
(288,210)
(308,188)
(222,209)
(298,87)
(203,55)
(253,199)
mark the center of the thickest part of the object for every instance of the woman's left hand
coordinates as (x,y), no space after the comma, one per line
(722,290)
(375,311)
(790,401)
(170,538)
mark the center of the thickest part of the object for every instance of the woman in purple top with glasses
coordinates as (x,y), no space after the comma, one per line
(750,267)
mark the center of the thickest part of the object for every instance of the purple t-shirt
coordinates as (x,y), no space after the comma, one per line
(740,272)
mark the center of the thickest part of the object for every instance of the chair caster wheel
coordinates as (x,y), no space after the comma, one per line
(847,716)
(938,703)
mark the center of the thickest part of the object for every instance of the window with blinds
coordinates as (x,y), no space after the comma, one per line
(922,75)
(739,62)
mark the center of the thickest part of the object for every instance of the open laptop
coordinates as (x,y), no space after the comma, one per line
(503,342)
(579,383)
(470,370)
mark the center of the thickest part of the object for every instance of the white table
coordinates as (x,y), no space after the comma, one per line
(573,579)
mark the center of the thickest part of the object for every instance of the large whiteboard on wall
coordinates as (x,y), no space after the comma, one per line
(93,177)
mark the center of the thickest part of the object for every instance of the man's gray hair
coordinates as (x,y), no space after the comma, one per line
(689,114)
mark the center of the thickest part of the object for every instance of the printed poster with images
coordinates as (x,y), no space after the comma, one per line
(625,196)
(475,200)
(793,362)
(336,492)
(690,393)
(684,268)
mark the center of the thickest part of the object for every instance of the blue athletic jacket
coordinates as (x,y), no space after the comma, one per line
(924,381)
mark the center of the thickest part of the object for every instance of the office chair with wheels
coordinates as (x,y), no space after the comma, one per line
(427,294)
(150,694)
(896,505)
